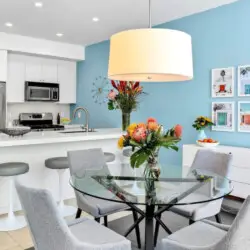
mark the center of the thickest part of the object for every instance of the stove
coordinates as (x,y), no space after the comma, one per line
(39,121)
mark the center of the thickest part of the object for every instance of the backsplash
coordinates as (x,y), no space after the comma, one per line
(13,110)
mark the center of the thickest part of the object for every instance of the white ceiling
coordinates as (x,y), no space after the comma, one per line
(73,18)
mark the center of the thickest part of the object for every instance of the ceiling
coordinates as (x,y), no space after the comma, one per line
(73,18)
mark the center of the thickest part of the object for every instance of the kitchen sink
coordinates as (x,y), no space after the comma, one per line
(78,131)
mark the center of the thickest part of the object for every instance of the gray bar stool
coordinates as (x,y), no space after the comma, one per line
(10,170)
(61,164)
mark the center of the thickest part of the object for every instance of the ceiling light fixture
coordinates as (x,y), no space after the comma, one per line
(8,24)
(151,55)
(95,19)
(39,4)
(59,34)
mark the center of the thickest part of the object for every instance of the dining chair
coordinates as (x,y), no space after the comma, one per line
(208,235)
(81,161)
(50,231)
(211,161)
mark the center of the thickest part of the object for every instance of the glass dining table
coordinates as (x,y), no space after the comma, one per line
(120,183)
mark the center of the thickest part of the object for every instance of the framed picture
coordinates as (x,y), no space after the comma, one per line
(244,117)
(244,80)
(223,82)
(223,116)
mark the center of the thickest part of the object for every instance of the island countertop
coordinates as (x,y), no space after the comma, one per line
(49,137)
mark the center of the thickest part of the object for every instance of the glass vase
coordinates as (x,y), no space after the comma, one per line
(125,120)
(152,169)
(201,135)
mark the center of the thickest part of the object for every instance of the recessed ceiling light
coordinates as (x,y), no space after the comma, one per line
(95,19)
(39,4)
(8,24)
(59,34)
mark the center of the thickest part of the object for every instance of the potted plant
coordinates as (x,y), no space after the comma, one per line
(200,124)
(146,139)
(124,96)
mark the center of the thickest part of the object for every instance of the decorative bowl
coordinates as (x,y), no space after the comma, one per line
(16,131)
(208,144)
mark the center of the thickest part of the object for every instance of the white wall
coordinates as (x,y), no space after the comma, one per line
(37,107)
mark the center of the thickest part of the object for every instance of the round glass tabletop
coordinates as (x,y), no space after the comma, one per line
(121,183)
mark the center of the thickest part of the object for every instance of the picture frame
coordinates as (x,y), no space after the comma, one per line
(223,116)
(222,83)
(244,116)
(244,81)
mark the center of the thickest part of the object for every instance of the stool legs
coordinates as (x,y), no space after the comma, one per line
(12,222)
(64,210)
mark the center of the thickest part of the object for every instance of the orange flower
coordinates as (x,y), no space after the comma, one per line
(153,126)
(141,125)
(151,119)
(178,130)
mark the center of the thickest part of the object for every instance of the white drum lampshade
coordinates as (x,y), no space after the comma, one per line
(151,55)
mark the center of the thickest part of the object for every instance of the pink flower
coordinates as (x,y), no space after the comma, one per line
(178,130)
(112,95)
(139,134)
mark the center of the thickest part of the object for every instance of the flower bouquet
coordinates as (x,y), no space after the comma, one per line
(200,124)
(125,97)
(146,139)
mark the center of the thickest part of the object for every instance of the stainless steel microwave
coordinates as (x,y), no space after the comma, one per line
(42,91)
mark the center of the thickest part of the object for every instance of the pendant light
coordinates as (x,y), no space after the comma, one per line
(151,55)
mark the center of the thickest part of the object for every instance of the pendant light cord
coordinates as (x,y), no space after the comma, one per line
(150,14)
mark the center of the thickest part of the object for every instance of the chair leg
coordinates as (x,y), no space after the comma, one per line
(157,226)
(106,221)
(191,222)
(137,229)
(218,218)
(78,213)
(97,219)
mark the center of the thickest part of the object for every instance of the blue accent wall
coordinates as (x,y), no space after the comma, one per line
(221,38)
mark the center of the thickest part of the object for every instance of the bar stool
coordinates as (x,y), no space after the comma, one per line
(60,164)
(109,157)
(10,170)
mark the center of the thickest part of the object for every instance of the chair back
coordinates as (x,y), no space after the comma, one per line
(47,227)
(215,162)
(238,237)
(89,159)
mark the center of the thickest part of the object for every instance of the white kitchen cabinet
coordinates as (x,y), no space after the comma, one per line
(23,68)
(49,70)
(16,78)
(67,81)
(33,68)
(3,65)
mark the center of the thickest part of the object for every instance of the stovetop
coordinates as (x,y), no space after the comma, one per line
(39,121)
(46,127)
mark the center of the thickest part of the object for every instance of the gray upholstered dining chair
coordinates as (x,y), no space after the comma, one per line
(211,161)
(50,231)
(209,235)
(93,160)
(214,162)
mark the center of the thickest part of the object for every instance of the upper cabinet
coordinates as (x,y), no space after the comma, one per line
(67,81)
(16,78)
(3,65)
(23,68)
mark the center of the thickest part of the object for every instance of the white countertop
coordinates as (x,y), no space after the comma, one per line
(48,137)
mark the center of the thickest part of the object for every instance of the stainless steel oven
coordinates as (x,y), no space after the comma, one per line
(37,91)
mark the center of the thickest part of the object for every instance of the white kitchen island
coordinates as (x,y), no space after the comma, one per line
(34,148)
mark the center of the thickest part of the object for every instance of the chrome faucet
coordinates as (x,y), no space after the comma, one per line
(86,126)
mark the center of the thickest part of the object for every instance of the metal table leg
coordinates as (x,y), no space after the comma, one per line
(149,227)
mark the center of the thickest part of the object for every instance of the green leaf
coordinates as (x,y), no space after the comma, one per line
(134,143)
(149,138)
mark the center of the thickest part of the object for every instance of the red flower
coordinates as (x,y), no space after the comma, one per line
(113,84)
(178,130)
(151,119)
